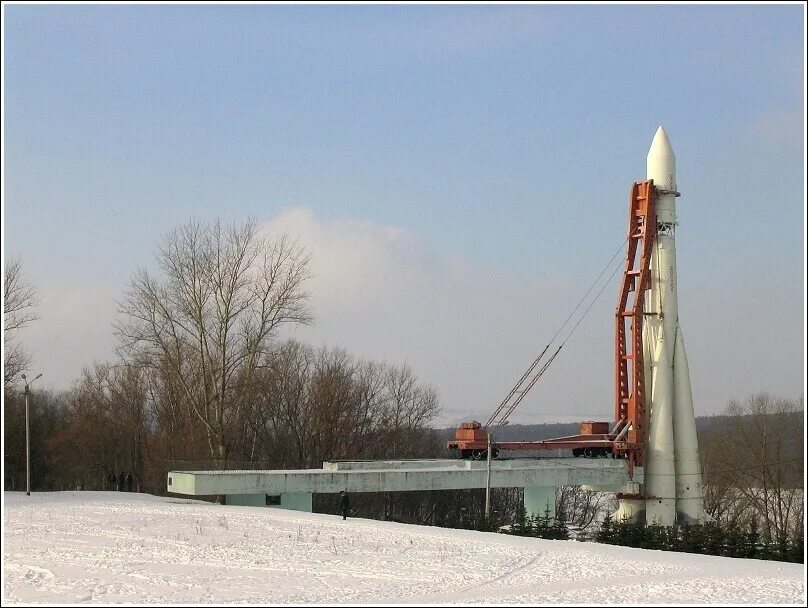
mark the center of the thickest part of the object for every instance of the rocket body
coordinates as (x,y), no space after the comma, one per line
(673,485)
(660,471)
(672,489)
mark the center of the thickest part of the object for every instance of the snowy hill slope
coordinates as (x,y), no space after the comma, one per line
(115,547)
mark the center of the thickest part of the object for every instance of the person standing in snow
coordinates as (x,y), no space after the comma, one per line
(121,481)
(128,482)
(111,481)
(344,504)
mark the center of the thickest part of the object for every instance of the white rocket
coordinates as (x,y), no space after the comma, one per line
(673,485)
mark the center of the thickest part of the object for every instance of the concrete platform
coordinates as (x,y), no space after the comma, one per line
(293,488)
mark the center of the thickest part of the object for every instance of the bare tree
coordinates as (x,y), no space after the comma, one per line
(368,410)
(20,299)
(315,404)
(206,322)
(282,414)
(583,507)
(754,465)
(104,426)
(408,409)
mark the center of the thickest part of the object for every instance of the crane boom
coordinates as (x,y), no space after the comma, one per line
(499,417)
(517,388)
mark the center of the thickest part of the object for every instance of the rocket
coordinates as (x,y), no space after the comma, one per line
(673,484)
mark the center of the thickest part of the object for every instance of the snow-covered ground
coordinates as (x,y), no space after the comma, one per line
(104,547)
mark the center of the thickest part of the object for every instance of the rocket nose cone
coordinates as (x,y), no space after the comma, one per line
(661,162)
(661,145)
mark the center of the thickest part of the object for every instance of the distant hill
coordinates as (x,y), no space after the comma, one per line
(524,432)
(536,432)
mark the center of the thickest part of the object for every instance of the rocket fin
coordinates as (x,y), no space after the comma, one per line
(660,470)
(689,488)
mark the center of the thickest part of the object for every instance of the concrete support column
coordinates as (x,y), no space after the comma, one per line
(537,499)
(630,509)
(296,501)
(245,500)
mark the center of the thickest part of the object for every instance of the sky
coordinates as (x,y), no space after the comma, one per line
(460,175)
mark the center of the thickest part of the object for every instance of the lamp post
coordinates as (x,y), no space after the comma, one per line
(488,473)
(28,436)
(488,479)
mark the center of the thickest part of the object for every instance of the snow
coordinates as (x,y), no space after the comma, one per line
(110,547)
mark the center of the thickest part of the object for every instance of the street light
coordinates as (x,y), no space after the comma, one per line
(488,474)
(28,436)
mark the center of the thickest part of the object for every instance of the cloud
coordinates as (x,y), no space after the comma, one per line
(73,330)
(470,330)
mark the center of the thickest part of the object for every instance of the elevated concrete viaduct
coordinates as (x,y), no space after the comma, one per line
(293,489)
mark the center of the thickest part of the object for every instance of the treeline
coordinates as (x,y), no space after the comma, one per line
(712,538)
(310,405)
(546,525)
(754,467)
(202,380)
